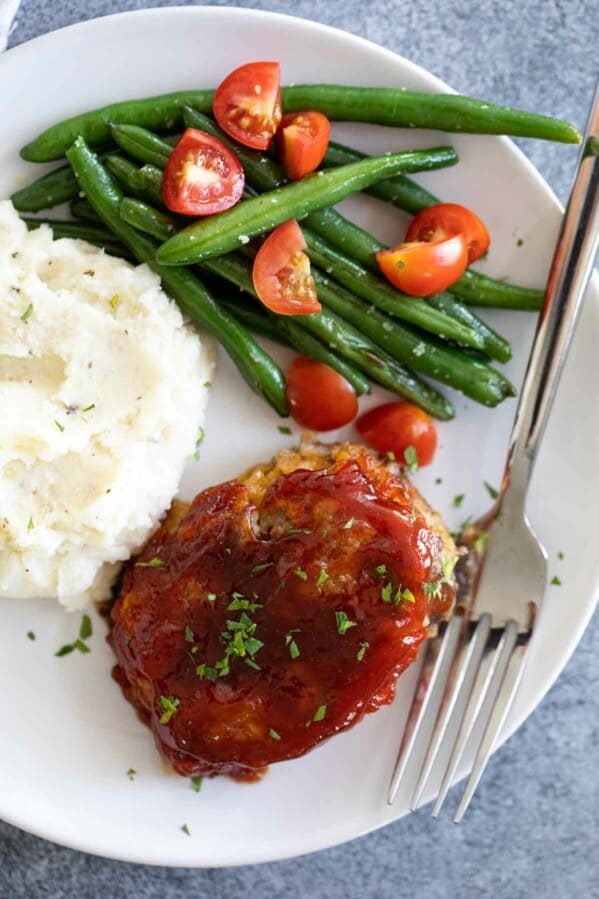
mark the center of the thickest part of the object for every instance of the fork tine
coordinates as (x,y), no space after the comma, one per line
(429,710)
(460,696)
(468,719)
(496,715)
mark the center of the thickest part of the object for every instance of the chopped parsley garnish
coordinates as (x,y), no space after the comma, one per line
(30,635)
(85,629)
(28,313)
(438,480)
(291,644)
(319,713)
(283,429)
(240,641)
(199,440)
(189,635)
(432,589)
(70,647)
(300,573)
(560,556)
(114,300)
(447,567)
(252,664)
(185,829)
(344,623)
(59,426)
(381,571)
(408,595)
(89,408)
(131,773)
(387,592)
(362,650)
(195,784)
(272,733)
(493,493)
(519,242)
(207,671)
(390,457)
(458,500)
(30,524)
(153,563)
(207,384)
(170,706)
(411,458)
(239,603)
(85,632)
(258,568)
(322,578)
(348,524)
(252,646)
(556,581)
(211,597)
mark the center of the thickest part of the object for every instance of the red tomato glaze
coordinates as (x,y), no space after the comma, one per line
(322,545)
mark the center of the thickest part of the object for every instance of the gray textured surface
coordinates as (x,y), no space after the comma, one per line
(534,828)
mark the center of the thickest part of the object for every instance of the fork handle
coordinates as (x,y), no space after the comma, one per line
(570,273)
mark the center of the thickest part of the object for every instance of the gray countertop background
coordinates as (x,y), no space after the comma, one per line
(533,830)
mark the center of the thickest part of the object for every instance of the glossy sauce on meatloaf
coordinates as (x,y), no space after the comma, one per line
(279,608)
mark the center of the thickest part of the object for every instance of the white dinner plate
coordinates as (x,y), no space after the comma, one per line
(68,736)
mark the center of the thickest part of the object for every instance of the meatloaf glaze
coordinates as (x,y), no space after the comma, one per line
(278,608)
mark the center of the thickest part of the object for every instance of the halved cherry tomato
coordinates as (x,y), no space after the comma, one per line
(281,272)
(319,397)
(394,427)
(423,268)
(202,176)
(302,139)
(445,220)
(247,104)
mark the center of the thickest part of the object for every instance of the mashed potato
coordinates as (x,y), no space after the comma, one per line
(102,394)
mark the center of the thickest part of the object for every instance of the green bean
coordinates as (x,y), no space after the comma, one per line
(78,230)
(383,106)
(401,191)
(81,209)
(120,168)
(413,109)
(148,180)
(385,297)
(56,187)
(141,144)
(147,219)
(289,332)
(428,356)
(260,371)
(106,242)
(477,289)
(216,235)
(347,341)
(252,319)
(161,113)
(494,344)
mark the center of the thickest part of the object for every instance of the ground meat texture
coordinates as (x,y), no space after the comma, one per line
(279,608)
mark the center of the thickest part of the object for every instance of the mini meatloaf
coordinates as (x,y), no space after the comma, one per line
(278,608)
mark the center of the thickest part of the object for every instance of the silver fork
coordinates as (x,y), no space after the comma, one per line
(468,681)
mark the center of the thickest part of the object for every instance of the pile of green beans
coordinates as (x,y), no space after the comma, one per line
(367,330)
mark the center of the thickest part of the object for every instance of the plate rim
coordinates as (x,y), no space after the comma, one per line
(574,636)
